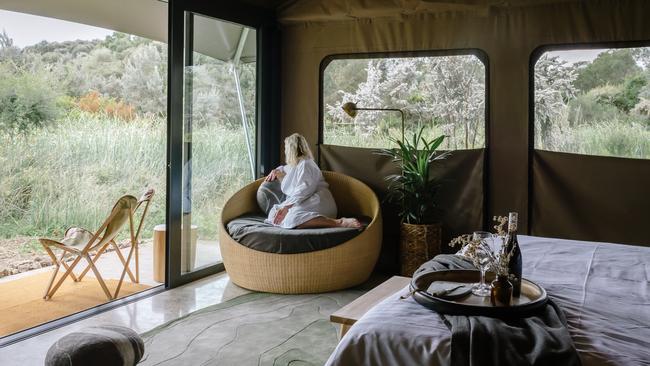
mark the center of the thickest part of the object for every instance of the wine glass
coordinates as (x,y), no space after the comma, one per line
(484,257)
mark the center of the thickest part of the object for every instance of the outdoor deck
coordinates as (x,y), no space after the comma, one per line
(21,294)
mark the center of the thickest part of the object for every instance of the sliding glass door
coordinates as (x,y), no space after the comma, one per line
(212,131)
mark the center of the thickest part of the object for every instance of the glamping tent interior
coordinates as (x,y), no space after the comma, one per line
(415,182)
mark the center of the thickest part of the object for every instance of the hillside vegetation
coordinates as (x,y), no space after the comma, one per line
(84,122)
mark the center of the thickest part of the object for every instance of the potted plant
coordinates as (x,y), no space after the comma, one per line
(414,193)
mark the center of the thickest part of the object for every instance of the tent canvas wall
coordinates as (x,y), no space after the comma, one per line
(566,195)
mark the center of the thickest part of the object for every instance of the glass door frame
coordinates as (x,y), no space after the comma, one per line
(180,35)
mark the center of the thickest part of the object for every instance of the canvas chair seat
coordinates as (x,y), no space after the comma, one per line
(77,238)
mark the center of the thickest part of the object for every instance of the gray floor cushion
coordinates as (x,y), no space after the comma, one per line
(251,231)
(107,345)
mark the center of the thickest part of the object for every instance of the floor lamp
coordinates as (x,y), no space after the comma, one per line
(351,109)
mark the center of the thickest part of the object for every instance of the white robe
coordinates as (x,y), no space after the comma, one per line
(305,189)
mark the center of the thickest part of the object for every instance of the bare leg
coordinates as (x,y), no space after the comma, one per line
(323,221)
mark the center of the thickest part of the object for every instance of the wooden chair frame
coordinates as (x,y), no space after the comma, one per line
(101,243)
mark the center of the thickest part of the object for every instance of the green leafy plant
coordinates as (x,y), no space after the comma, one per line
(416,188)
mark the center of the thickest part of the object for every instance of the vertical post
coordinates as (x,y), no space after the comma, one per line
(174,141)
(268,97)
(188,101)
(240,97)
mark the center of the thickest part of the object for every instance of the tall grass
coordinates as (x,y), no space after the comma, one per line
(608,138)
(71,172)
(613,139)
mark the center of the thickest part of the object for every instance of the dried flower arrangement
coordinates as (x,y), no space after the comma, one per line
(498,261)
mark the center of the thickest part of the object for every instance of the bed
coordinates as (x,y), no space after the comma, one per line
(603,288)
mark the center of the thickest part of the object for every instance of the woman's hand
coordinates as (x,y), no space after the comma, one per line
(274,174)
(281,214)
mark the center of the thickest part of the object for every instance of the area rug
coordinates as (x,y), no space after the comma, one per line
(22,305)
(253,329)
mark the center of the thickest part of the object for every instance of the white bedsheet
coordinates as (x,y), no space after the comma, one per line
(603,288)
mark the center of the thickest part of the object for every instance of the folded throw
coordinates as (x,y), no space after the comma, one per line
(540,339)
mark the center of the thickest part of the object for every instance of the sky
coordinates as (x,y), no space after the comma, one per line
(577,55)
(26,29)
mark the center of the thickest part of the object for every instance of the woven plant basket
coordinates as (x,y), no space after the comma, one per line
(418,244)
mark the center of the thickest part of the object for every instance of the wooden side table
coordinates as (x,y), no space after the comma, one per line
(350,313)
(188,253)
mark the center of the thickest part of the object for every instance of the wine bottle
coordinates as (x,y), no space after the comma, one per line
(512,246)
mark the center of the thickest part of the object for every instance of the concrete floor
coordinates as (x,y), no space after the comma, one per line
(142,315)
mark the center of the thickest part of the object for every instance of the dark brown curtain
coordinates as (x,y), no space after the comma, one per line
(461,198)
(591,198)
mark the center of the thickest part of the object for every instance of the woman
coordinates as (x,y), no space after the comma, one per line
(308,203)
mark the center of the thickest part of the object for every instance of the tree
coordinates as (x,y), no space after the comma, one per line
(8,52)
(342,75)
(554,87)
(642,56)
(144,83)
(629,96)
(610,67)
(27,99)
(446,92)
(457,90)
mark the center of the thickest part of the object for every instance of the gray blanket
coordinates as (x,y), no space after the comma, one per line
(542,339)
(603,289)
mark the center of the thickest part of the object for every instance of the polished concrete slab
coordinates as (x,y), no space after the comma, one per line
(142,315)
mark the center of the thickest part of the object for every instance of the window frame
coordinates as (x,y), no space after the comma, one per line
(480,54)
(262,22)
(535,55)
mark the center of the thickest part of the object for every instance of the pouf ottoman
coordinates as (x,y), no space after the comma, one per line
(106,345)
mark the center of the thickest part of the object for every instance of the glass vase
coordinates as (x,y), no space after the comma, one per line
(501,291)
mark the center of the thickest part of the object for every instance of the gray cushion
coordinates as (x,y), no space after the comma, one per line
(107,345)
(253,232)
(269,194)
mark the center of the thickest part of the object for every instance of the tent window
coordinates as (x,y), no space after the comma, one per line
(445,94)
(593,102)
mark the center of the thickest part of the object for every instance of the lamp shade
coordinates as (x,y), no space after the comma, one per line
(350,109)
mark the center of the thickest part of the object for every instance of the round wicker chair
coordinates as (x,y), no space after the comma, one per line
(345,265)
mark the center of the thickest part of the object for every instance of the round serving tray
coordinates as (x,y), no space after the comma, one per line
(532,296)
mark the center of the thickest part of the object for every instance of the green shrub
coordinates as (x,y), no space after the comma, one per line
(629,95)
(642,110)
(27,99)
(595,106)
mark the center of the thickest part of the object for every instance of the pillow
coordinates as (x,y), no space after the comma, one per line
(105,345)
(269,194)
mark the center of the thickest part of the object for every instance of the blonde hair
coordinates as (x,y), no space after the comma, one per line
(296,148)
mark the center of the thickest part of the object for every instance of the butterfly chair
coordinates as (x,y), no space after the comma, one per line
(79,242)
